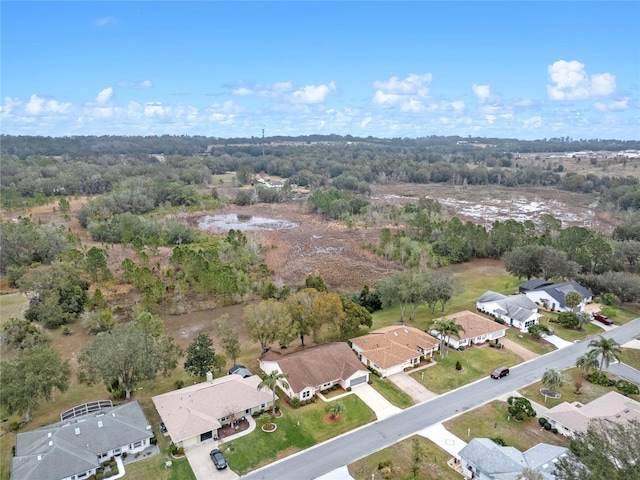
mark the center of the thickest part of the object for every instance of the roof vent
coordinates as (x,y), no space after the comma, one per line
(39,457)
(100,424)
(49,435)
(77,431)
(406,331)
(113,414)
(148,427)
(50,443)
(395,334)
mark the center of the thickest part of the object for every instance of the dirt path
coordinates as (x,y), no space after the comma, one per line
(525,353)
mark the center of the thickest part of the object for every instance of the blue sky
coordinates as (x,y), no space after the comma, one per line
(387,69)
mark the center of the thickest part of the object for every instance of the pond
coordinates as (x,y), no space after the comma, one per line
(243,223)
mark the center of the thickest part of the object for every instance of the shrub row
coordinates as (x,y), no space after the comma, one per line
(547,426)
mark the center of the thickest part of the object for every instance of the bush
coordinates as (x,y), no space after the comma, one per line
(554,430)
(178,384)
(152,441)
(99,476)
(547,426)
(542,421)
(627,388)
(385,464)
(458,365)
(294,402)
(600,378)
(14,426)
(500,321)
(500,441)
(348,389)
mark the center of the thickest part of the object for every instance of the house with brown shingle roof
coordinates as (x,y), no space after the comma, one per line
(573,418)
(316,368)
(194,414)
(477,329)
(391,349)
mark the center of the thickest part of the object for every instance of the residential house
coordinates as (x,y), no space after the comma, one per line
(194,414)
(76,447)
(314,369)
(516,310)
(483,459)
(552,296)
(391,349)
(573,418)
(477,329)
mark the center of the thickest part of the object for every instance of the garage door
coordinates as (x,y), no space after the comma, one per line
(358,381)
(206,436)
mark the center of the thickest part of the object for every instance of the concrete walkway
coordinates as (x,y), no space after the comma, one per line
(443,438)
(412,387)
(376,402)
(518,349)
(557,341)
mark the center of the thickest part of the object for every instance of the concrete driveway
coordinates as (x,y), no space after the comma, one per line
(202,465)
(412,387)
(376,402)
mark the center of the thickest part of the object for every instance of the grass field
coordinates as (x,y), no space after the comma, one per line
(493,420)
(477,362)
(297,429)
(392,393)
(434,464)
(631,356)
(529,342)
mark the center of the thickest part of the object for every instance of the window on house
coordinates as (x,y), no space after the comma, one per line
(137,444)
(306,394)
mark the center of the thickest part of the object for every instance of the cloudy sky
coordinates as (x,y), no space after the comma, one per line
(386,69)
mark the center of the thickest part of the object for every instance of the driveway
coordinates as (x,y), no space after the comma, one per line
(202,465)
(412,387)
(518,349)
(376,402)
(443,438)
(557,341)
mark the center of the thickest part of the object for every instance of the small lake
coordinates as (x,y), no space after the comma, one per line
(233,221)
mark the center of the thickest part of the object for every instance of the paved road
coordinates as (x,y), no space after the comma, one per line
(347,448)
(625,371)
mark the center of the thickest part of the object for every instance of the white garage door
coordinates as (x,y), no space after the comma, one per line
(358,381)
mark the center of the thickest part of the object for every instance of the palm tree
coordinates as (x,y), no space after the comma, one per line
(271,382)
(552,378)
(588,362)
(335,409)
(446,329)
(607,349)
(572,299)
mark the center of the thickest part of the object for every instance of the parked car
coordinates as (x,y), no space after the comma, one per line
(218,459)
(602,318)
(498,373)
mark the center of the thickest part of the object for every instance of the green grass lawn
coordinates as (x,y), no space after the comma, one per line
(297,429)
(477,362)
(434,464)
(493,420)
(12,305)
(619,316)
(392,393)
(631,356)
(570,334)
(588,391)
(529,342)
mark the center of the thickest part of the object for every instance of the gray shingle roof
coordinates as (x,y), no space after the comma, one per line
(71,447)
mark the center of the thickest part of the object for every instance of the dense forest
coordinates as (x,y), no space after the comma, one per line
(34,168)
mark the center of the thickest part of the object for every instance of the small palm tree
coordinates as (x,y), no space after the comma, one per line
(271,382)
(447,329)
(335,409)
(607,349)
(588,362)
(552,378)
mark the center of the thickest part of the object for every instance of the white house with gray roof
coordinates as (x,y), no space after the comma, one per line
(483,459)
(516,310)
(552,296)
(194,414)
(75,448)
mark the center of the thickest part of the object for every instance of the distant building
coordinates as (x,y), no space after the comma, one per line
(552,295)
(516,310)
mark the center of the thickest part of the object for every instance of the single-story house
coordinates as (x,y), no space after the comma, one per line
(477,329)
(533,284)
(194,414)
(516,310)
(76,447)
(552,296)
(317,368)
(483,459)
(572,418)
(391,349)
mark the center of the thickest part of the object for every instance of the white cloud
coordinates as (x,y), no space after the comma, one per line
(408,93)
(569,81)
(310,94)
(142,84)
(276,89)
(102,21)
(104,97)
(482,92)
(533,122)
(619,105)
(366,121)
(41,106)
